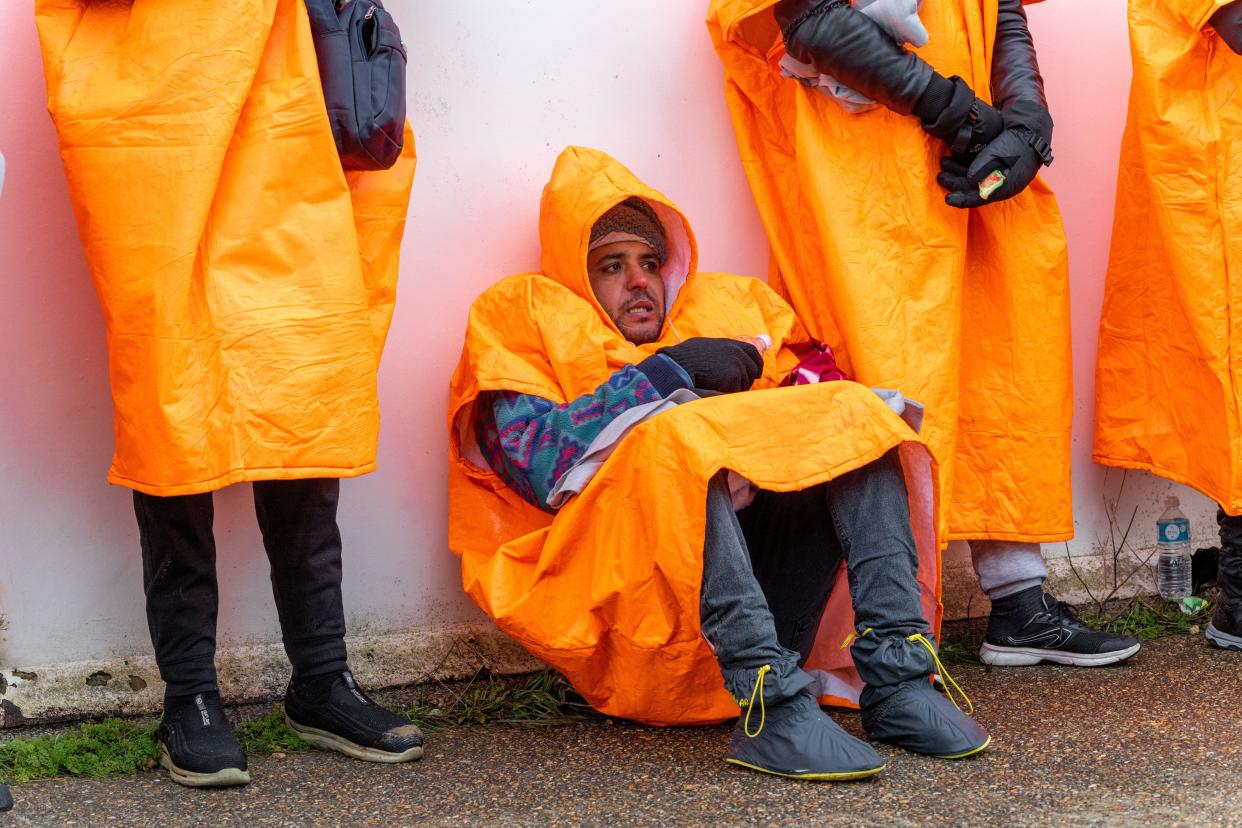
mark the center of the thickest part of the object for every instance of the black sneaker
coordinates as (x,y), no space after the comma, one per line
(197,744)
(1032,626)
(333,712)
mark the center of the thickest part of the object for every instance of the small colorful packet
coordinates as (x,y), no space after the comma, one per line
(1191,604)
(991,183)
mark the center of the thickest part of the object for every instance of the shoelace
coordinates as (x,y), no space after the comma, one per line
(750,705)
(941,672)
(950,684)
(1066,614)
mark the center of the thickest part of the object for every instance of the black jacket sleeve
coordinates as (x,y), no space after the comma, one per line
(1017,87)
(839,41)
(1227,21)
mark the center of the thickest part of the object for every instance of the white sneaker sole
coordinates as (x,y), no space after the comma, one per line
(999,656)
(330,741)
(1223,640)
(226,778)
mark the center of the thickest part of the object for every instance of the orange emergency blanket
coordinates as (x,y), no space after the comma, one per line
(965,311)
(246,282)
(607,591)
(1169,367)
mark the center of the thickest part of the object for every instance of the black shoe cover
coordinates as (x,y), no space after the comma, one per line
(333,712)
(797,739)
(197,744)
(914,716)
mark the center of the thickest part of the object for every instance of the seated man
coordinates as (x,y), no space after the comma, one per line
(603,432)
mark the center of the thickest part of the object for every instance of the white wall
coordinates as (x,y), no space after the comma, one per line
(497,88)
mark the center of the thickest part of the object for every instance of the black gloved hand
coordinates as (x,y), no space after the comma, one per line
(949,110)
(717,364)
(1228,24)
(1017,153)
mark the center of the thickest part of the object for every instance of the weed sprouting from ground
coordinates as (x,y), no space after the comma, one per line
(538,699)
(1149,619)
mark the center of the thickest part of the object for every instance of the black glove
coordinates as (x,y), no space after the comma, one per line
(717,364)
(1026,142)
(1228,24)
(1017,154)
(851,47)
(949,110)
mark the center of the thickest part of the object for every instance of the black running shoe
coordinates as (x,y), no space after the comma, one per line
(1032,626)
(333,712)
(197,744)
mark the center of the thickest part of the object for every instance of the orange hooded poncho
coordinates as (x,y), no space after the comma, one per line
(965,311)
(246,282)
(1169,369)
(607,590)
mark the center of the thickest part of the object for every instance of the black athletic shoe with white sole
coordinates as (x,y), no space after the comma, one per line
(333,712)
(197,744)
(1031,627)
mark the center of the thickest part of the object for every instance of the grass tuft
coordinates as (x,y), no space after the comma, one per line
(92,750)
(115,746)
(271,734)
(542,698)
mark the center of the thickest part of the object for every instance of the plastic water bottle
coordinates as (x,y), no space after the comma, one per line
(1173,568)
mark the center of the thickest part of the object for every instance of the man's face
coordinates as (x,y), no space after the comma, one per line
(626,279)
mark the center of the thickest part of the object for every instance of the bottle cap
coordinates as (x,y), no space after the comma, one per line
(1171,502)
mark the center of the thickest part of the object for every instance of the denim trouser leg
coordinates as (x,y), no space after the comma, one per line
(1006,568)
(871,511)
(735,616)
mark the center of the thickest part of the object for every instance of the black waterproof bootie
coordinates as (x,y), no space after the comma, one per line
(333,712)
(1225,630)
(197,744)
(793,737)
(901,707)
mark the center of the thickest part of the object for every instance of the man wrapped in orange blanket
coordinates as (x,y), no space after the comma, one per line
(637,502)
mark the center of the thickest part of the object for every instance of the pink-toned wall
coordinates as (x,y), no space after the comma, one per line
(497,89)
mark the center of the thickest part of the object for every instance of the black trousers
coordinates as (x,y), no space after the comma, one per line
(303,543)
(795,554)
(1230,529)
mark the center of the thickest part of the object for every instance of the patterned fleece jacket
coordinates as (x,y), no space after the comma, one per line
(530,442)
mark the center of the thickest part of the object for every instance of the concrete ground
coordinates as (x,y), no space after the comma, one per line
(1156,741)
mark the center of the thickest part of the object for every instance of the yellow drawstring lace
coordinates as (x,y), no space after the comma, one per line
(849,639)
(949,683)
(750,705)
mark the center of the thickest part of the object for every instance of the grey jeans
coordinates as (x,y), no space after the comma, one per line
(768,571)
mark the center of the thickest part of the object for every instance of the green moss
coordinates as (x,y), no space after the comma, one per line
(115,746)
(91,750)
(269,735)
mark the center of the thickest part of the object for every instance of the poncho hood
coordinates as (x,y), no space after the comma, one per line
(585,184)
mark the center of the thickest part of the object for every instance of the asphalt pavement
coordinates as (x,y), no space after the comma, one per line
(1154,741)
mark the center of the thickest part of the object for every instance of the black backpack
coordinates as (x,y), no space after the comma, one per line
(362,68)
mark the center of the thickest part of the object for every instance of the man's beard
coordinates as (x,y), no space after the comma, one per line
(647,332)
